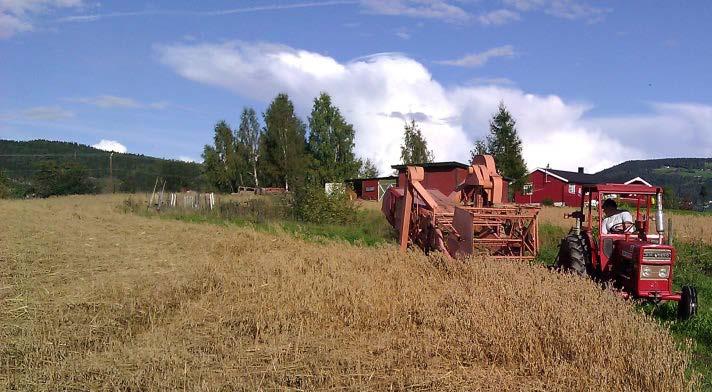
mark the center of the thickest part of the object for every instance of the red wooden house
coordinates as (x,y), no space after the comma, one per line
(559,186)
(371,188)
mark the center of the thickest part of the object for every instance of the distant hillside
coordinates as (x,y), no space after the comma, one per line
(19,160)
(689,178)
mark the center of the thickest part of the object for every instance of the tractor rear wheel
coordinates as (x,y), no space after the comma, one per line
(574,254)
(687,307)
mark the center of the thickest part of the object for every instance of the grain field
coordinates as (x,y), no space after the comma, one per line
(95,299)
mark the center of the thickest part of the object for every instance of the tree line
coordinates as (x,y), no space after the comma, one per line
(284,152)
(281,153)
(46,168)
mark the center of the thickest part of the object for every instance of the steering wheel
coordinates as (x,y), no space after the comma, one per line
(622,228)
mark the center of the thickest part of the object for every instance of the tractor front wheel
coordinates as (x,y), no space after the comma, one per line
(574,254)
(687,307)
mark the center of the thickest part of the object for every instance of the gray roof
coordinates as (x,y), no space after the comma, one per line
(432,165)
(575,177)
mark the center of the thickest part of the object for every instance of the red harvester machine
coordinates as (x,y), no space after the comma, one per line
(472,220)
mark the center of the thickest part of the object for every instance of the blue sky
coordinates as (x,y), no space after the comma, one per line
(590,83)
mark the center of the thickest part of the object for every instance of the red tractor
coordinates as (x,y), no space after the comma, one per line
(622,250)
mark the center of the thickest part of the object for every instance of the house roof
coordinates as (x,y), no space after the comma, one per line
(372,178)
(637,179)
(433,165)
(574,177)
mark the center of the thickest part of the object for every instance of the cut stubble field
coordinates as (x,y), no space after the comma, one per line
(93,298)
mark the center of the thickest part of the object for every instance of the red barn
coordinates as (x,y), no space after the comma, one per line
(558,186)
(371,188)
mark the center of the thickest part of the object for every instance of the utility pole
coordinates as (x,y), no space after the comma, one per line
(111,171)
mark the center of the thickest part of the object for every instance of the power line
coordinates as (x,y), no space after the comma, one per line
(57,155)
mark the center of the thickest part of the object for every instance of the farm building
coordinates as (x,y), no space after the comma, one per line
(371,188)
(443,176)
(637,180)
(559,186)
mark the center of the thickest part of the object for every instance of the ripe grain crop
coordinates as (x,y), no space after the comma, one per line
(95,299)
(687,227)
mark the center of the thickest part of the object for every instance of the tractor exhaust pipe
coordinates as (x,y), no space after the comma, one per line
(660,219)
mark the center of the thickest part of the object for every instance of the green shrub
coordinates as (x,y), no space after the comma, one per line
(312,204)
(68,178)
(258,210)
(547,202)
(5,190)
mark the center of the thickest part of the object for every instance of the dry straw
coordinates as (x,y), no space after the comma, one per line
(94,299)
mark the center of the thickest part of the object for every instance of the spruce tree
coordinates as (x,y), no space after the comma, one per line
(414,148)
(368,169)
(504,145)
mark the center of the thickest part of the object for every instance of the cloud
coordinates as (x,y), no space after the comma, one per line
(112,101)
(566,9)
(417,116)
(498,17)
(376,92)
(430,9)
(187,159)
(16,15)
(671,130)
(479,59)
(221,12)
(110,145)
(45,113)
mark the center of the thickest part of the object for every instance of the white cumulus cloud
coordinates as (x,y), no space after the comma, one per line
(187,159)
(377,92)
(110,145)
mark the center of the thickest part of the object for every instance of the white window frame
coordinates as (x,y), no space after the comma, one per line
(528,189)
(572,189)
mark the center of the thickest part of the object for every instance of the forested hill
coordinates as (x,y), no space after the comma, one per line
(22,161)
(690,179)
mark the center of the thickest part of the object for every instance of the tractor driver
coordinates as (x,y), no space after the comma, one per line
(616,221)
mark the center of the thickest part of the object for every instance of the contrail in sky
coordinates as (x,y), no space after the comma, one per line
(272,7)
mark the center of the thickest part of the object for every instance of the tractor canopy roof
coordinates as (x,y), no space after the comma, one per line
(640,189)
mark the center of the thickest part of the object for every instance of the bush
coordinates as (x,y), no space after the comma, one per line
(5,189)
(69,178)
(312,204)
(258,210)
(547,202)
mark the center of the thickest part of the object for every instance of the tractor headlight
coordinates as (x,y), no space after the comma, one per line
(663,272)
(646,272)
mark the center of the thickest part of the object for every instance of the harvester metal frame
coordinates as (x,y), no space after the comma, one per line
(472,220)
